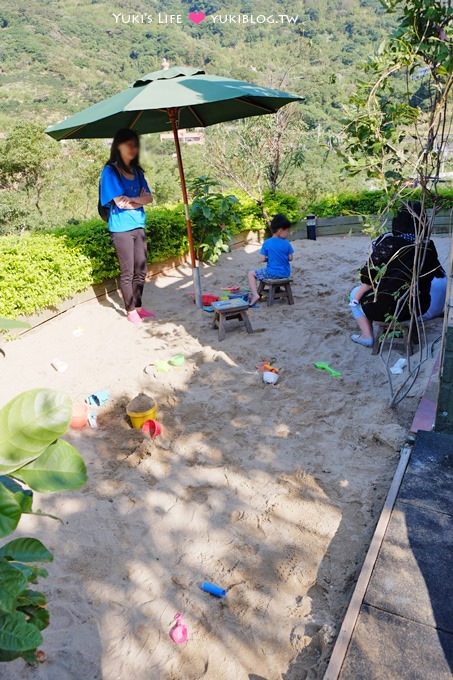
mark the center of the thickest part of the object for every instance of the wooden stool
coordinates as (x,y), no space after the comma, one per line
(273,288)
(230,309)
(402,327)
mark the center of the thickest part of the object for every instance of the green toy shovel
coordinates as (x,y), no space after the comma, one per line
(323,366)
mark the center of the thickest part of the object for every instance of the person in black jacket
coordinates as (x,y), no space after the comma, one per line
(387,276)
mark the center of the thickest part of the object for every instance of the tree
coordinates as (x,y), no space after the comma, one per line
(399,142)
(388,136)
(85,159)
(26,156)
(259,153)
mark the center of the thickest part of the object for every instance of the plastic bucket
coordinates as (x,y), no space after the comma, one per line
(152,428)
(209,299)
(137,419)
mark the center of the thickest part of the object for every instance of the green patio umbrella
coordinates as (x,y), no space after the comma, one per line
(172,99)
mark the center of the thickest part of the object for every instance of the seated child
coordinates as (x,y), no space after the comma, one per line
(277,252)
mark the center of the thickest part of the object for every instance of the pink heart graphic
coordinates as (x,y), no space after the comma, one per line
(196,17)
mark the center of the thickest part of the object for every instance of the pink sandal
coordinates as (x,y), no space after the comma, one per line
(145,313)
(134,317)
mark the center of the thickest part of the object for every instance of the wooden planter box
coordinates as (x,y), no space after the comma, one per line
(354,224)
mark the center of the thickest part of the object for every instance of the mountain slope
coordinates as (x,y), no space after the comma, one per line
(58,56)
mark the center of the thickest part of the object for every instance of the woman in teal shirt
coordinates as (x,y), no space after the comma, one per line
(123,192)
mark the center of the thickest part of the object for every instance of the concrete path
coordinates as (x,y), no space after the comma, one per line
(405,626)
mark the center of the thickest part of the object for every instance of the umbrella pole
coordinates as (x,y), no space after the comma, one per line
(172,115)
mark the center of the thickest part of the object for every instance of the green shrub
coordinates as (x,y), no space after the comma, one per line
(13,214)
(214,216)
(166,230)
(366,203)
(91,240)
(38,271)
(362,203)
(253,215)
(280,203)
(250,214)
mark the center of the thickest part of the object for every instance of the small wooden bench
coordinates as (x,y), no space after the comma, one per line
(226,310)
(276,289)
(402,329)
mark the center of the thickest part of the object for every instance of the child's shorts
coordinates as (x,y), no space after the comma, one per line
(263,273)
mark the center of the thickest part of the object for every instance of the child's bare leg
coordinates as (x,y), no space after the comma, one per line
(364,324)
(366,329)
(252,284)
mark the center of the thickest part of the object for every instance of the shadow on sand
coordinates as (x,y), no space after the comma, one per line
(251,486)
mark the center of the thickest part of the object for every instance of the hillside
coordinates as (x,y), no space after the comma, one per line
(58,56)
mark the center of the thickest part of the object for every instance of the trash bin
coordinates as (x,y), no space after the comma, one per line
(311,227)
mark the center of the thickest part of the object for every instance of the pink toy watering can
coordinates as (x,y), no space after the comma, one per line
(179,633)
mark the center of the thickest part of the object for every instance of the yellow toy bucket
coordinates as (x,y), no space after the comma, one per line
(139,417)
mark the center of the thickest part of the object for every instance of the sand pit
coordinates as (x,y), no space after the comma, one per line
(270,491)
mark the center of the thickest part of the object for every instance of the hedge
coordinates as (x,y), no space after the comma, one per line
(38,271)
(252,213)
(365,203)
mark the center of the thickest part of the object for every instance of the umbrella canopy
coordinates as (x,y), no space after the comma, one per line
(144,106)
(178,97)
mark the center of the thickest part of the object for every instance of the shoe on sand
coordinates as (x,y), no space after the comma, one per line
(365,342)
(134,317)
(145,313)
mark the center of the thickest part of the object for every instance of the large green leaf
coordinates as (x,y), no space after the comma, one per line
(28,655)
(7,324)
(23,496)
(60,467)
(32,574)
(29,423)
(12,583)
(38,616)
(16,635)
(27,571)
(10,511)
(26,550)
(9,656)
(31,598)
(25,500)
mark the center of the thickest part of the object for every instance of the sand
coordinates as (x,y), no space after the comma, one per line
(272,492)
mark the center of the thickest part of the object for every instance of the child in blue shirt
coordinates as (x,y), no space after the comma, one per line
(277,252)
